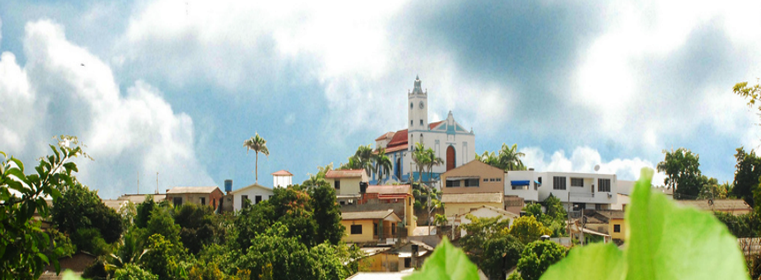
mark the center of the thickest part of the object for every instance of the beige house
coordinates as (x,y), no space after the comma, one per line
(370,226)
(455,204)
(347,182)
(199,195)
(473,177)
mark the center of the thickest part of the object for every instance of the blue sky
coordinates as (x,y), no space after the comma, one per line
(175,87)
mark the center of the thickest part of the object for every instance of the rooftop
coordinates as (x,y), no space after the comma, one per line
(472,197)
(177,190)
(389,189)
(282,173)
(718,204)
(349,173)
(140,198)
(371,215)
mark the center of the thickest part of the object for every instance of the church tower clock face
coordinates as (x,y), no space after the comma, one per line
(421,105)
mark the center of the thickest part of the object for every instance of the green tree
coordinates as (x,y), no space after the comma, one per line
(528,229)
(251,221)
(258,145)
(162,258)
(500,255)
(144,211)
(129,251)
(682,168)
(162,223)
(747,173)
(289,258)
(327,214)
(319,178)
(479,230)
(382,164)
(362,159)
(537,256)
(24,245)
(432,161)
(533,209)
(196,226)
(745,225)
(421,159)
(80,209)
(133,272)
(508,158)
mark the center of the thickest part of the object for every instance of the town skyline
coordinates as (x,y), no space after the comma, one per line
(153,87)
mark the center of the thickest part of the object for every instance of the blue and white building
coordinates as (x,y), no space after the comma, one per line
(450,141)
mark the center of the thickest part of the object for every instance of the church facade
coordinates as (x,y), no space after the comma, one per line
(449,140)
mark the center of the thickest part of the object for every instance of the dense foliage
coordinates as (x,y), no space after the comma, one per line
(537,257)
(508,158)
(747,174)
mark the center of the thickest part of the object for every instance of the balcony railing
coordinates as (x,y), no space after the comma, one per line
(583,194)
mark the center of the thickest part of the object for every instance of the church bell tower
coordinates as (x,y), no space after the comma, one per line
(418,109)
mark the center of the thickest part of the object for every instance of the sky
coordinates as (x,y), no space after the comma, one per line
(174,87)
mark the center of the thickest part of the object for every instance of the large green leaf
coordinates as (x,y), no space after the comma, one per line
(446,263)
(596,261)
(665,241)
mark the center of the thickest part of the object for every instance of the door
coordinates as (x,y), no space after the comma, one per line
(450,158)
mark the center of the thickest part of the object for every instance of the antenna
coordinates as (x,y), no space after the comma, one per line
(138,182)
(157,182)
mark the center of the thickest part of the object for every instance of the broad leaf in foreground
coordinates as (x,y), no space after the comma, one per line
(665,241)
(446,263)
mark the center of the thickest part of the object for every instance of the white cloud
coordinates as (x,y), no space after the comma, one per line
(71,91)
(348,47)
(17,114)
(584,159)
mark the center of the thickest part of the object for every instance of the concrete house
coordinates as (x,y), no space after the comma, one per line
(347,184)
(255,193)
(377,227)
(199,195)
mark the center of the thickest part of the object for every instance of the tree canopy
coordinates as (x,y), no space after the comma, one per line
(682,168)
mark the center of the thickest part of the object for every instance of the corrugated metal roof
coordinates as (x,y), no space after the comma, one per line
(389,189)
(350,173)
(176,190)
(472,197)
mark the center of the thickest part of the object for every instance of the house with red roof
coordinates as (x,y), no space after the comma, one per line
(449,140)
(282,178)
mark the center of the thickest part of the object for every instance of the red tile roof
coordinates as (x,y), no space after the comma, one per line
(282,173)
(385,136)
(435,124)
(397,148)
(400,138)
(349,173)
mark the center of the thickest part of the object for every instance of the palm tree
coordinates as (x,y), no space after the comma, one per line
(420,158)
(364,157)
(509,158)
(382,164)
(432,161)
(258,145)
(129,251)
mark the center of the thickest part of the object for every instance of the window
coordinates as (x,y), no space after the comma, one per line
(493,179)
(356,229)
(421,122)
(486,179)
(203,201)
(407,262)
(258,199)
(451,184)
(471,183)
(499,179)
(410,123)
(342,202)
(603,185)
(393,229)
(411,107)
(243,199)
(540,180)
(577,182)
(616,228)
(338,184)
(177,201)
(558,183)
(598,206)
(375,229)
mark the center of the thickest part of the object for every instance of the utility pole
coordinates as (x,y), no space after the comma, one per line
(138,182)
(157,182)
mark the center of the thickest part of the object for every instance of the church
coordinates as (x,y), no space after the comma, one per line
(449,140)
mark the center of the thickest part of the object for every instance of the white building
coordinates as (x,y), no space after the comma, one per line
(255,193)
(282,178)
(582,190)
(450,141)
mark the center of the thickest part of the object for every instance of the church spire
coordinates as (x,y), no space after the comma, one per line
(417,89)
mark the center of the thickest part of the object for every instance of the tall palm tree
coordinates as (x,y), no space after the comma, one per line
(510,158)
(258,145)
(382,164)
(432,161)
(364,157)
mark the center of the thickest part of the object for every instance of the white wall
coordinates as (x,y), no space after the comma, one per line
(282,181)
(530,194)
(251,192)
(577,194)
